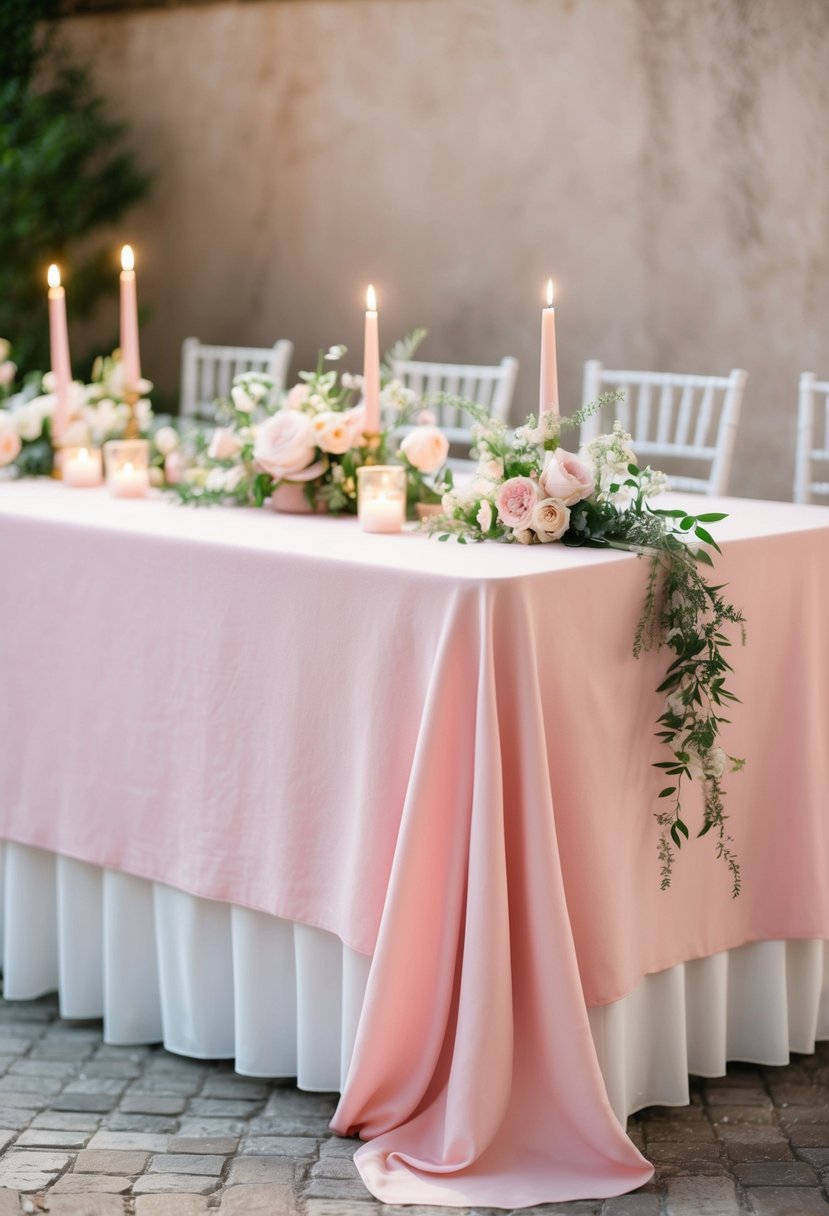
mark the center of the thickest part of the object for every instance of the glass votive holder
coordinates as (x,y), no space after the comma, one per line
(128,467)
(381,497)
(81,466)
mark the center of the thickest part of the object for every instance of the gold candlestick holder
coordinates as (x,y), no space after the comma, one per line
(372,441)
(131,399)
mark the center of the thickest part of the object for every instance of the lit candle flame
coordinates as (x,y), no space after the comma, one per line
(371,299)
(127,258)
(53,276)
(127,468)
(83,455)
(549,293)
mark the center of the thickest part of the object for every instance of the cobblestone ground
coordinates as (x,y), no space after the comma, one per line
(91,1130)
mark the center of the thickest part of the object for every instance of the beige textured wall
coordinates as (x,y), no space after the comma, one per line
(666,160)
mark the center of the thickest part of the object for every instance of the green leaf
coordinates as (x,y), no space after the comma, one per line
(687,523)
(705,535)
(680,827)
(668,790)
(712,517)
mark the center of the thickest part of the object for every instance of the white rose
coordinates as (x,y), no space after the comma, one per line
(215,480)
(233,478)
(285,446)
(484,516)
(224,445)
(166,440)
(30,415)
(566,478)
(332,432)
(550,519)
(242,399)
(524,536)
(426,448)
(9,439)
(297,396)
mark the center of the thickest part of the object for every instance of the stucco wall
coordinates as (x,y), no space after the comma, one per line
(667,161)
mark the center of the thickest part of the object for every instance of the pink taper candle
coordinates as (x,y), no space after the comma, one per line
(371,366)
(548,388)
(130,356)
(59,345)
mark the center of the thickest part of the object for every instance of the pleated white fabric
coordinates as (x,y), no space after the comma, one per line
(283,1000)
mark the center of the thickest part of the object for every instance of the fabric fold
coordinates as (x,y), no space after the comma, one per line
(500,1115)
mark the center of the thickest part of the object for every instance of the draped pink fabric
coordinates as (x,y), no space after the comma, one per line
(441,754)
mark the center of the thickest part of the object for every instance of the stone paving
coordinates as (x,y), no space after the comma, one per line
(92,1130)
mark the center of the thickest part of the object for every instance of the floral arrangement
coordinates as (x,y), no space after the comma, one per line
(313,437)
(98,412)
(529,490)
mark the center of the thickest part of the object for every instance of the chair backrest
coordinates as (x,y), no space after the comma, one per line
(812,437)
(675,416)
(489,386)
(208,372)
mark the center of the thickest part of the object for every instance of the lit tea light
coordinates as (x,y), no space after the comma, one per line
(128,467)
(381,497)
(82,467)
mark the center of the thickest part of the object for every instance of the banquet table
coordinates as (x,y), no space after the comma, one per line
(376,811)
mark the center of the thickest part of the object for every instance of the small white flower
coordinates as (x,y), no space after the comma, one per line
(492,470)
(7,372)
(166,440)
(484,516)
(316,402)
(143,412)
(50,382)
(335,352)
(242,399)
(215,480)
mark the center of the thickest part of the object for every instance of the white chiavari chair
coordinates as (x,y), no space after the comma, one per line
(208,372)
(491,387)
(685,419)
(812,438)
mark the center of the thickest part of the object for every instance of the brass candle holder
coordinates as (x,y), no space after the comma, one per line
(372,442)
(131,399)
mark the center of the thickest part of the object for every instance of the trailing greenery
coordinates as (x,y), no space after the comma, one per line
(529,490)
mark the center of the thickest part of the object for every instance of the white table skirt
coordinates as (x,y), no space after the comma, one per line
(213,980)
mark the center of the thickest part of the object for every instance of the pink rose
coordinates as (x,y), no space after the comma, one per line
(10,444)
(515,500)
(566,478)
(174,465)
(297,396)
(224,444)
(285,447)
(550,519)
(426,448)
(332,432)
(355,419)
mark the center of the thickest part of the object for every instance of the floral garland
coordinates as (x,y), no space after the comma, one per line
(97,412)
(313,437)
(528,490)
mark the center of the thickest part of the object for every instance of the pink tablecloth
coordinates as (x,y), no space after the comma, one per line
(442,754)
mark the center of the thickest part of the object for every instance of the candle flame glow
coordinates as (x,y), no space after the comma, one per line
(53,276)
(371,299)
(127,258)
(127,468)
(83,455)
(549,293)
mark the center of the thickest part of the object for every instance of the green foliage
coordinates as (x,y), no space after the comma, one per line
(65,174)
